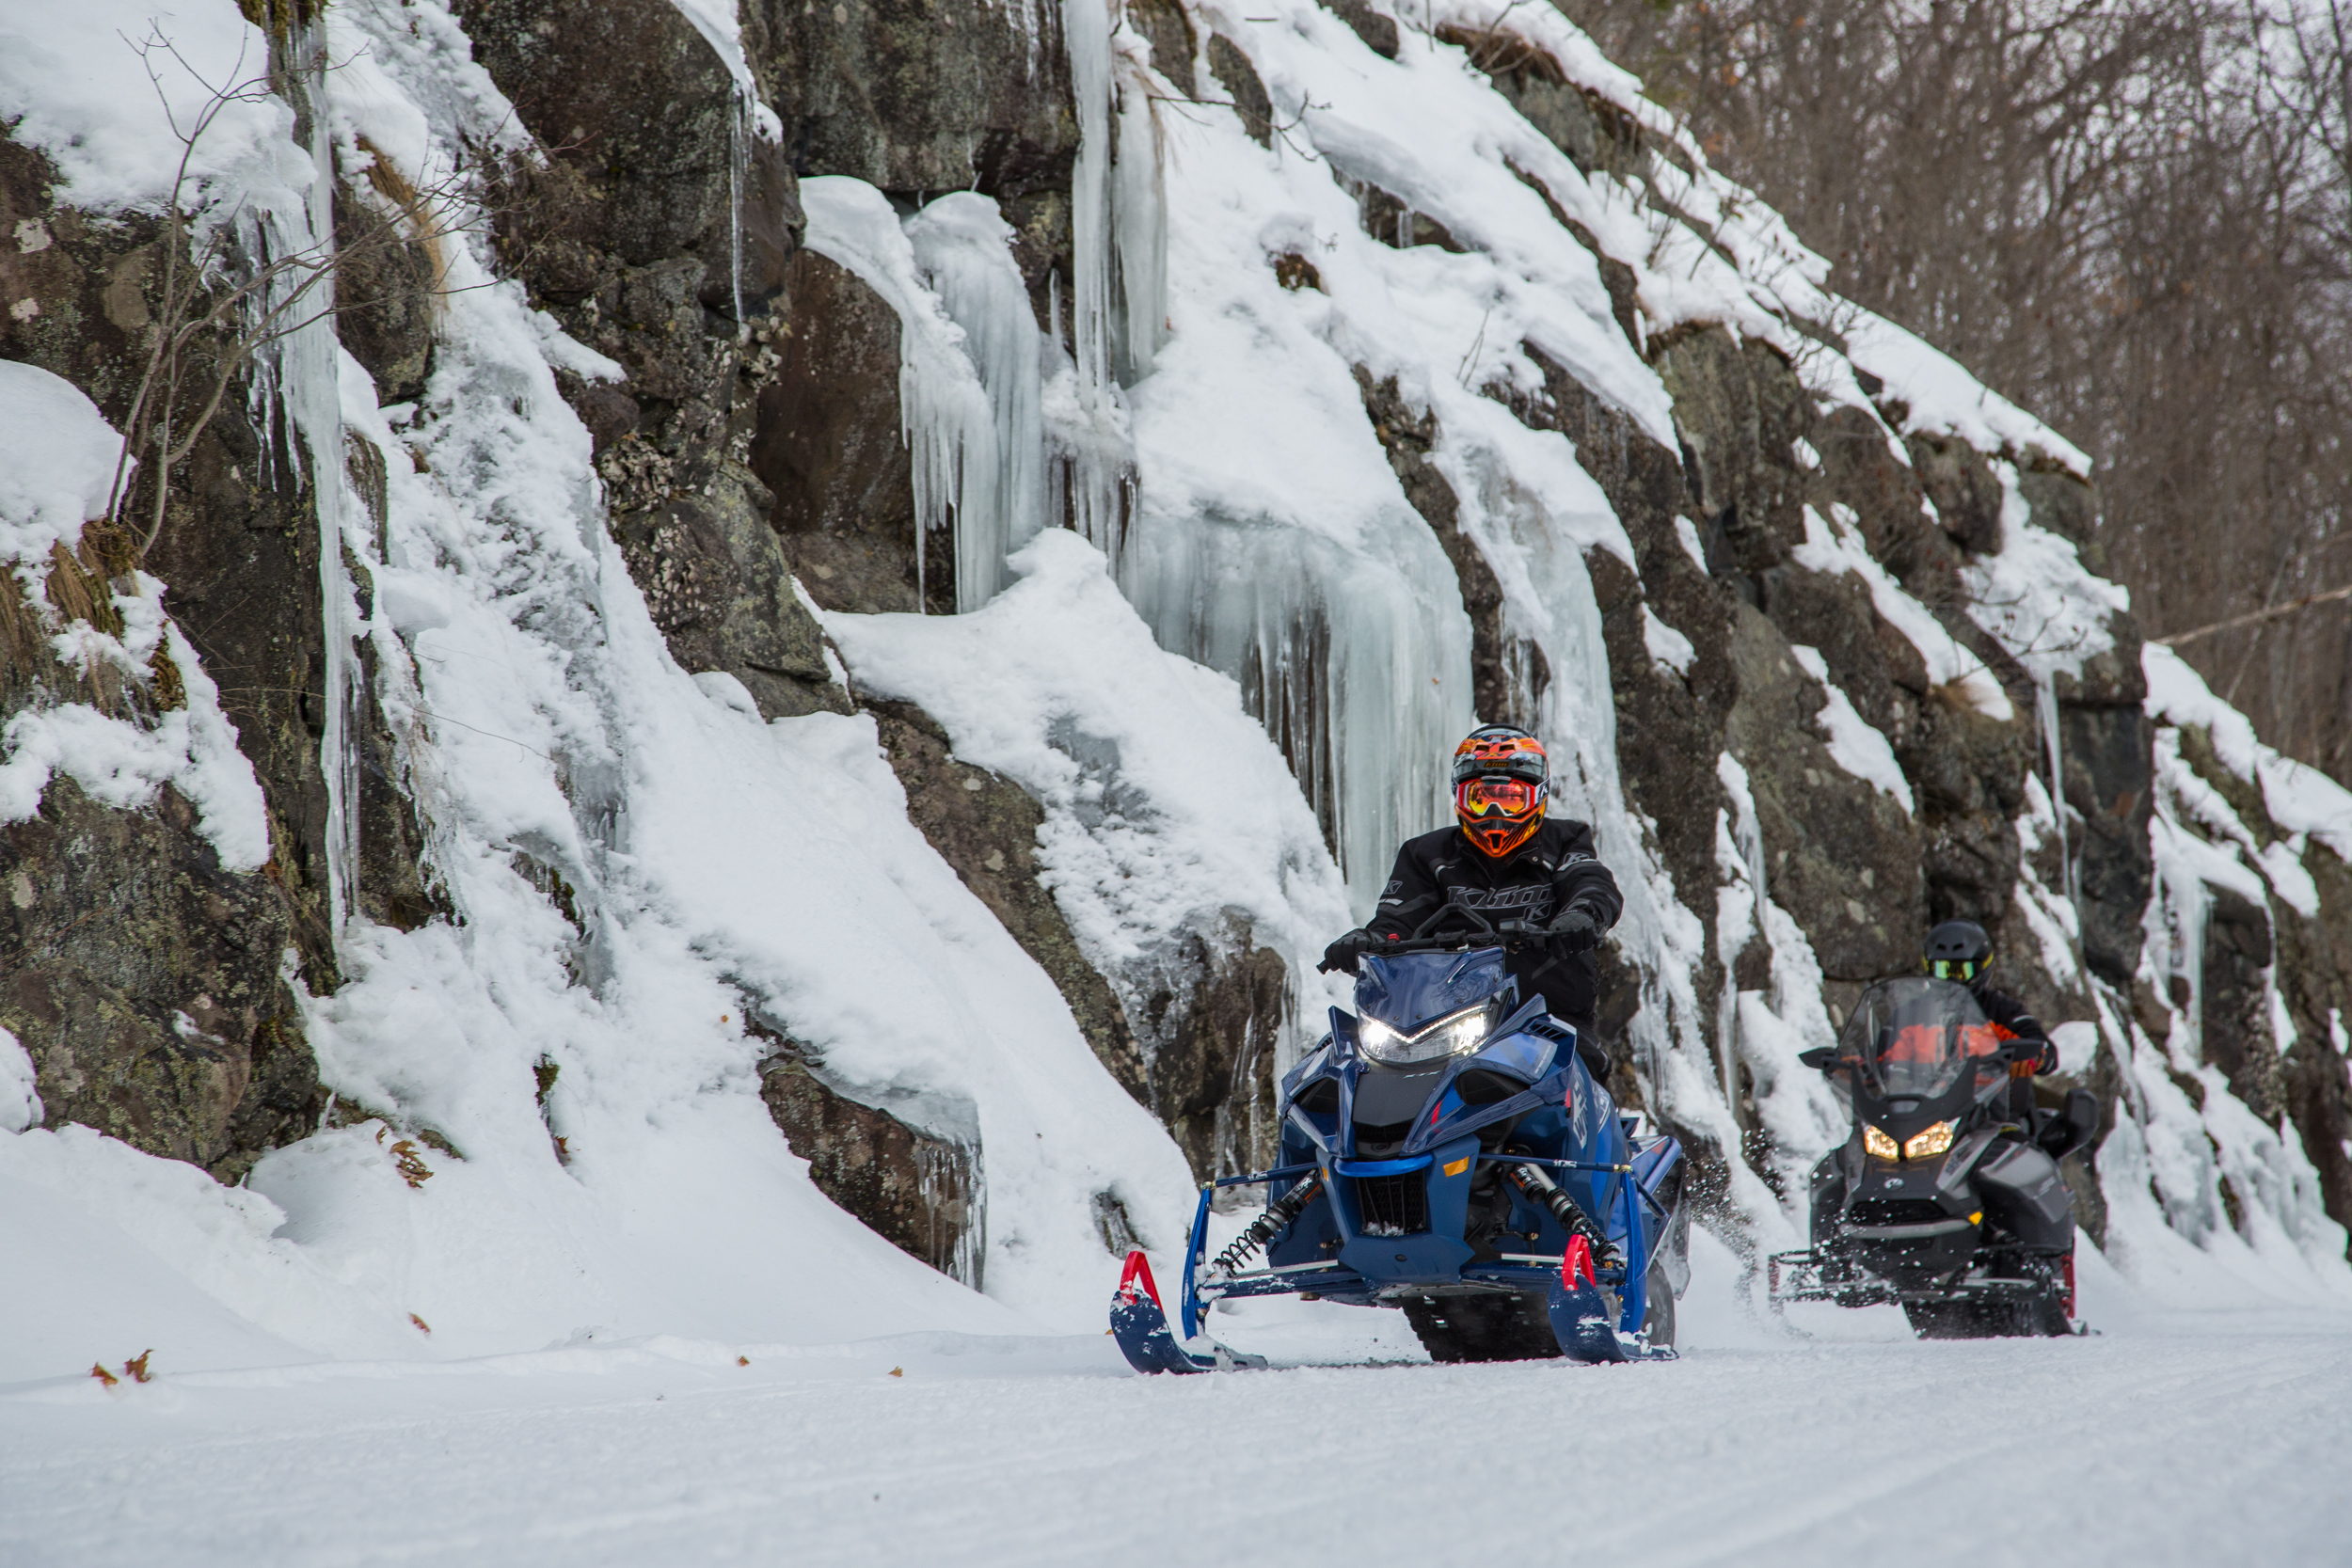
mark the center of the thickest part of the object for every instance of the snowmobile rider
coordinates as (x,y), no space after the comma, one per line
(1504,858)
(1959,950)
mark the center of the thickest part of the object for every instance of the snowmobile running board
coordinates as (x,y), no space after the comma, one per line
(1818,1276)
(1801,1277)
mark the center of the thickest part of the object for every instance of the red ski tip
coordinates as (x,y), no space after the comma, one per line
(1576,1265)
(1139,1269)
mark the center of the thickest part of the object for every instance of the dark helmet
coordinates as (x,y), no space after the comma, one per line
(1502,776)
(1958,950)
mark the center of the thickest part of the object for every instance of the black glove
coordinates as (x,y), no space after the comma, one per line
(1575,930)
(1339,958)
(2048,1061)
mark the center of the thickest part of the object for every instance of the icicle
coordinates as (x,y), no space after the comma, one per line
(962,249)
(946,417)
(1086,419)
(1086,35)
(738,178)
(2182,896)
(2046,710)
(1740,905)
(948,1180)
(299,374)
(1358,674)
(1139,228)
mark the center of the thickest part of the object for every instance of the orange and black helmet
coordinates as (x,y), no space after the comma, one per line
(1502,777)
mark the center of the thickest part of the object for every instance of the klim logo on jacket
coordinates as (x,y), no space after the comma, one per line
(1533,901)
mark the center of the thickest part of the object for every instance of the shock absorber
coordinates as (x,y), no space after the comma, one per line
(1278,1216)
(1537,1183)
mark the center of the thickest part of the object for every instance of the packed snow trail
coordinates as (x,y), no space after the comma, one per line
(2178,1436)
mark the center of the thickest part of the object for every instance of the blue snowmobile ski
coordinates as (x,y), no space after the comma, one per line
(1445,1150)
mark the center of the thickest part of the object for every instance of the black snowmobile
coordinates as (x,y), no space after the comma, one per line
(1942,1202)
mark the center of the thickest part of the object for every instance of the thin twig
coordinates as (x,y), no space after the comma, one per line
(2272,614)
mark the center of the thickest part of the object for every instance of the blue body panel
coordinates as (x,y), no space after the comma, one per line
(1394,1221)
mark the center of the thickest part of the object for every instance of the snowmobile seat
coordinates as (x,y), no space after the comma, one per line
(2075,1125)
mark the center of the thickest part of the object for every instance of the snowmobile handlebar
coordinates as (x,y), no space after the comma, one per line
(2025,1048)
(1465,941)
(1481,932)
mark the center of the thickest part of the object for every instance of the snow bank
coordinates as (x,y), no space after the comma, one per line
(1165,804)
(111,1251)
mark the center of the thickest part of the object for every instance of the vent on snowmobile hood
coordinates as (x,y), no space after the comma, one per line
(1480,1087)
(1320,1098)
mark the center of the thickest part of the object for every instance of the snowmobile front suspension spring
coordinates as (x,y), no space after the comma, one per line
(1278,1216)
(1537,1183)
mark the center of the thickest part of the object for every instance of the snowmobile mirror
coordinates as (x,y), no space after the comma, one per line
(1819,1058)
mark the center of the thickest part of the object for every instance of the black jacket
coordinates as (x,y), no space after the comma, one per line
(1551,871)
(2006,1010)
(2009,1013)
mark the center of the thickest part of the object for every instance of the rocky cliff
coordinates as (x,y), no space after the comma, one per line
(1121,445)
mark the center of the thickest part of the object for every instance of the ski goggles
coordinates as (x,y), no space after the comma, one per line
(1955,969)
(1496,795)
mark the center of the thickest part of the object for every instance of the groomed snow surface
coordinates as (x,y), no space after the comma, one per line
(2182,1434)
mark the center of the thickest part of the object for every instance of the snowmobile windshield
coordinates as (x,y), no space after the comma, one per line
(1406,991)
(1915,1038)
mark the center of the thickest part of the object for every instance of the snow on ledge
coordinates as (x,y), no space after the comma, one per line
(1834,550)
(1943,396)
(72,79)
(1854,744)
(2299,798)
(57,457)
(1668,648)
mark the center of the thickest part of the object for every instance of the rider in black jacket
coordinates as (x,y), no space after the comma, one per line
(1959,950)
(1504,859)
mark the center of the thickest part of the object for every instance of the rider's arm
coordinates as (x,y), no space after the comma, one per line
(2010,1014)
(1410,898)
(1582,882)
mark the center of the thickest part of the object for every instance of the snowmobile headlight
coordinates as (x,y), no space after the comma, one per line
(1934,1141)
(1878,1144)
(1450,1036)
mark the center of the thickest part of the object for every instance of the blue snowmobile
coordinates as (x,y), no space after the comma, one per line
(1445,1150)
